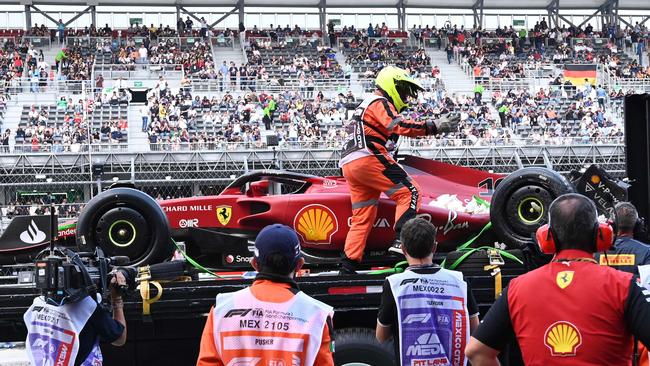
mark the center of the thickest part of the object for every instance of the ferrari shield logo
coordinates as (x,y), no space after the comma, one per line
(564,279)
(224,213)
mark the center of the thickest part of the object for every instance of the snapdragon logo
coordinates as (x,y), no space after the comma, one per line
(428,344)
(33,235)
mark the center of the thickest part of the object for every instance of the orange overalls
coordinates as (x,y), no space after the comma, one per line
(370,170)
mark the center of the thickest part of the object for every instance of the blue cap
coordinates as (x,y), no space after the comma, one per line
(277,238)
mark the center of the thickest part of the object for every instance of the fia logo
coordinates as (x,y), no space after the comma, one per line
(443,319)
(33,235)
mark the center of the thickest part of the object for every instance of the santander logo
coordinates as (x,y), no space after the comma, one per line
(33,235)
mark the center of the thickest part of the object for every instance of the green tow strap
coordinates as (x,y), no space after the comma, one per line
(471,241)
(398,268)
(470,251)
(194,263)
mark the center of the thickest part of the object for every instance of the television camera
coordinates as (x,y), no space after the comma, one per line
(68,276)
(65,276)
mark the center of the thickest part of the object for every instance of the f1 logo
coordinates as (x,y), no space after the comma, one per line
(235,312)
(417,318)
(409,280)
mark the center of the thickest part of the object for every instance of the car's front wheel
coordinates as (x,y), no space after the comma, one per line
(125,222)
(521,202)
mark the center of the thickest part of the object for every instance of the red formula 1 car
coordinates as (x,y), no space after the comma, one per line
(218,231)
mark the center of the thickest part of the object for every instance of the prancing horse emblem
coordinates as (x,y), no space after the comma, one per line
(224,213)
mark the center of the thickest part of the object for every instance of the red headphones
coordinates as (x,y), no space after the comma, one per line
(604,237)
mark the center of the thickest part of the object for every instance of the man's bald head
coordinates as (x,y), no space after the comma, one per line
(573,218)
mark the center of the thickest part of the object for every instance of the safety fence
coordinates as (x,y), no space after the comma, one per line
(589,42)
(405,145)
(5,39)
(37,206)
(273,85)
(45,86)
(90,42)
(343,42)
(221,42)
(38,42)
(139,71)
(285,42)
(186,173)
(608,77)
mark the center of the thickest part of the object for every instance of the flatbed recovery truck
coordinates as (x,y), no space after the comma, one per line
(170,331)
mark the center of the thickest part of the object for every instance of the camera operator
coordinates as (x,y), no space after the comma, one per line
(627,253)
(66,330)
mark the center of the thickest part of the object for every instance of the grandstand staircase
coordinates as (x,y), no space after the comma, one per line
(50,53)
(235,54)
(138,140)
(456,81)
(11,120)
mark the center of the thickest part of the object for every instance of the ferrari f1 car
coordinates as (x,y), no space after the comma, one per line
(218,231)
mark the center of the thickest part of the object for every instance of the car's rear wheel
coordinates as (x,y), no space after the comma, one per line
(521,201)
(359,347)
(126,222)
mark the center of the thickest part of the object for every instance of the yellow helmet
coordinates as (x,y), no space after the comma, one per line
(398,85)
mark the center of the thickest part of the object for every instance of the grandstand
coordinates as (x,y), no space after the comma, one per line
(182,110)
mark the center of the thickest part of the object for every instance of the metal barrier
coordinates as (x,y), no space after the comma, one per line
(432,42)
(138,71)
(81,41)
(609,78)
(220,41)
(188,42)
(259,39)
(90,42)
(399,40)
(38,42)
(138,40)
(23,86)
(272,85)
(407,145)
(170,39)
(536,75)
(300,41)
(5,39)
(64,212)
(591,42)
(101,40)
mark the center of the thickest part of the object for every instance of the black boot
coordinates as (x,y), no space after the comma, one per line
(396,247)
(348,266)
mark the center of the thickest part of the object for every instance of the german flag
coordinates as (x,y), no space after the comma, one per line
(577,73)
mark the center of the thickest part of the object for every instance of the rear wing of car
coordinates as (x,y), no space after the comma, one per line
(26,232)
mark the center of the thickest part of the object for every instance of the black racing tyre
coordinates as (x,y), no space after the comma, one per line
(359,347)
(520,204)
(128,222)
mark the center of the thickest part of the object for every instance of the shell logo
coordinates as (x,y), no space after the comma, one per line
(316,224)
(563,339)
(595,179)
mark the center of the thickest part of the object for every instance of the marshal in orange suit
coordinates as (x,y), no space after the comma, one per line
(368,166)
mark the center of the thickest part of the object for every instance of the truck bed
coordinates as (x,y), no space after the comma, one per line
(171,333)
